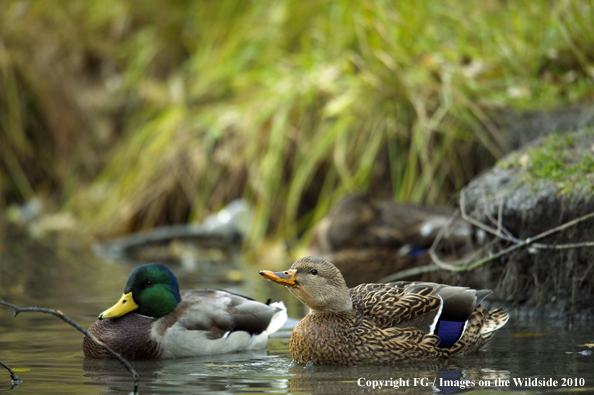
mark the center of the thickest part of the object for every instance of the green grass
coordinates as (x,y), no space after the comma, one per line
(558,158)
(135,114)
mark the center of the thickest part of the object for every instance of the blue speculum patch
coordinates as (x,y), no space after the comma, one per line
(449,332)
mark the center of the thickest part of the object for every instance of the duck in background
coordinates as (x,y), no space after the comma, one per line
(154,320)
(375,324)
(369,239)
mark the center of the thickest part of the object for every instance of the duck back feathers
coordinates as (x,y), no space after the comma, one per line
(218,313)
(434,309)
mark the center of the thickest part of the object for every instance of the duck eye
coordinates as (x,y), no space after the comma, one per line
(149,283)
(314,272)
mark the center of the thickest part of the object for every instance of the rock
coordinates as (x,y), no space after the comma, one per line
(520,128)
(538,188)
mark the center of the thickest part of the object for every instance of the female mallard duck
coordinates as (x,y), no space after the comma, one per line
(368,239)
(382,323)
(153,320)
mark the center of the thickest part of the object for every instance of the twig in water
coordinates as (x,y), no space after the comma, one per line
(71,322)
(15,381)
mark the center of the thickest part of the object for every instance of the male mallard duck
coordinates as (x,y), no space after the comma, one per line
(153,320)
(382,323)
(368,239)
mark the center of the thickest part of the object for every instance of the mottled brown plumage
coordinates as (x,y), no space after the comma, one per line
(382,323)
(368,239)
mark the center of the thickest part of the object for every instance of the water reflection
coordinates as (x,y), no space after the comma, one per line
(443,377)
(47,354)
(494,369)
(253,371)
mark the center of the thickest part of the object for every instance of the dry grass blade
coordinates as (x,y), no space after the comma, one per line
(168,114)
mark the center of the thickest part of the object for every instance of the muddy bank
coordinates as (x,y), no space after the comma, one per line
(543,185)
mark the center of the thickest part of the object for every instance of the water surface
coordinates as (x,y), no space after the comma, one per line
(47,355)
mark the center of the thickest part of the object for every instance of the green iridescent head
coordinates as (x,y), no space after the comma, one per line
(151,290)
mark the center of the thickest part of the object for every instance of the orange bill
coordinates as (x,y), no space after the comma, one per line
(286,278)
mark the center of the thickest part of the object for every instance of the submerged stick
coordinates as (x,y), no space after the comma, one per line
(71,322)
(15,381)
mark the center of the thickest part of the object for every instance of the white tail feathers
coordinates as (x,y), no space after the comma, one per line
(278,319)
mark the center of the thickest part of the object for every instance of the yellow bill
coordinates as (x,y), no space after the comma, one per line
(125,305)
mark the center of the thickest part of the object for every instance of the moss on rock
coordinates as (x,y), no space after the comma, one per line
(536,189)
(566,160)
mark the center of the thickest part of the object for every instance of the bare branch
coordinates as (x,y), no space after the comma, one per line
(15,381)
(563,246)
(71,322)
(476,223)
(500,223)
(501,230)
(501,233)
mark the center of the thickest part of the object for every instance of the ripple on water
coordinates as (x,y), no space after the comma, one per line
(47,353)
